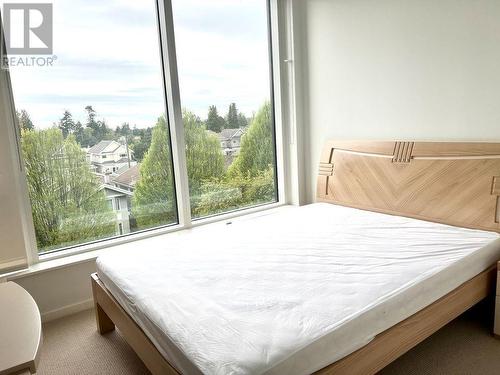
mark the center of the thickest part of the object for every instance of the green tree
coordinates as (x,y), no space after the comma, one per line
(203,154)
(24,119)
(79,134)
(216,196)
(205,165)
(91,117)
(253,169)
(67,203)
(92,129)
(257,146)
(66,124)
(98,130)
(123,131)
(242,120)
(104,133)
(215,122)
(141,145)
(153,202)
(232,117)
(86,137)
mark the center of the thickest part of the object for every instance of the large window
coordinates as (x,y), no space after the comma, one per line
(95,133)
(225,88)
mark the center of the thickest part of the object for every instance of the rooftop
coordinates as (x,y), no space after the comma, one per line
(230,133)
(129,177)
(101,146)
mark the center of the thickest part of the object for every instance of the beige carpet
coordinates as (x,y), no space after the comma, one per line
(72,346)
(465,346)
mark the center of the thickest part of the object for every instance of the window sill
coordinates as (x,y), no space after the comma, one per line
(89,253)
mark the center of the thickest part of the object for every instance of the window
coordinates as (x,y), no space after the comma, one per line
(84,104)
(225,85)
(98,99)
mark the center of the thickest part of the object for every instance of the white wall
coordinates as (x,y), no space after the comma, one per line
(400,69)
(62,291)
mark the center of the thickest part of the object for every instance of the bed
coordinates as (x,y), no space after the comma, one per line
(408,244)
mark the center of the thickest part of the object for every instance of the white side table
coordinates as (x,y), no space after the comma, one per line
(20,330)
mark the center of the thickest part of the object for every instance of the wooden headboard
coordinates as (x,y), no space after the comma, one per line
(455,183)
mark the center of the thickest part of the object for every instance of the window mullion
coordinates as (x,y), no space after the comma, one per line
(275,20)
(174,111)
(289,62)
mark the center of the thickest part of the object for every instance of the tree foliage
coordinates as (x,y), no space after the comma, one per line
(257,188)
(24,119)
(140,142)
(215,196)
(66,124)
(123,130)
(69,207)
(232,117)
(257,146)
(215,122)
(203,154)
(249,180)
(242,120)
(154,201)
(79,133)
(95,130)
(67,203)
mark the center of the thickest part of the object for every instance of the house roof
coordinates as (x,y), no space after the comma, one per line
(119,161)
(122,169)
(116,189)
(103,145)
(129,177)
(229,133)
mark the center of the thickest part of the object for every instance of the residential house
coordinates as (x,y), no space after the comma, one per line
(230,141)
(108,157)
(120,201)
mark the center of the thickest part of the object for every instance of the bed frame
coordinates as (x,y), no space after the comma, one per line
(445,182)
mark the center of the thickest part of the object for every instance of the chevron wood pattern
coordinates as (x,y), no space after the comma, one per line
(446,182)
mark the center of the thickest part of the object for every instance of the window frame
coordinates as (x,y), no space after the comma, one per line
(280,38)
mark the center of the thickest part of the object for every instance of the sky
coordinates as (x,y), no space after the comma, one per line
(108,57)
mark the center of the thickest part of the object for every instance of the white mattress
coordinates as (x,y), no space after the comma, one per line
(289,292)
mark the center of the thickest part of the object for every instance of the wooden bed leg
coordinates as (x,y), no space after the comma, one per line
(104,323)
(496,326)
